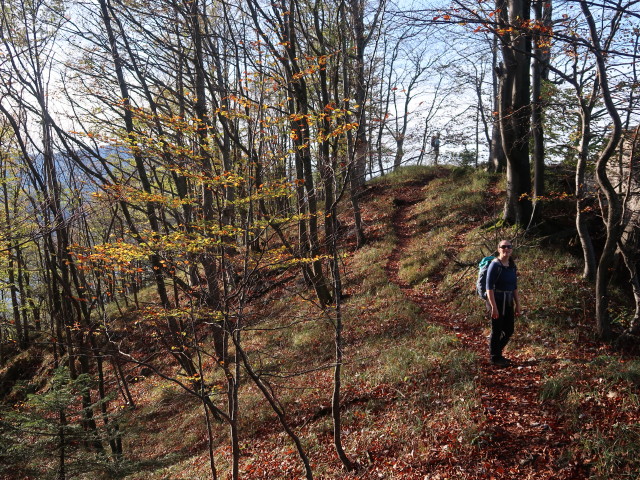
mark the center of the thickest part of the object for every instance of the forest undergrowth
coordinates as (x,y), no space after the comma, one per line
(420,399)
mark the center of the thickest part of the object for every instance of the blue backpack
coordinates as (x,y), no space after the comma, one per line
(481,283)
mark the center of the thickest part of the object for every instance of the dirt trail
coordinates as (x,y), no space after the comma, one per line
(523,438)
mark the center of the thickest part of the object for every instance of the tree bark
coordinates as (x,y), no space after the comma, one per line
(614,207)
(360,43)
(497,159)
(18,317)
(515,109)
(588,252)
(537,106)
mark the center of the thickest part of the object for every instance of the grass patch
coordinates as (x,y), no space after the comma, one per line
(628,372)
(614,453)
(432,353)
(558,388)
(366,271)
(427,354)
(456,199)
(409,173)
(424,257)
(585,394)
(450,201)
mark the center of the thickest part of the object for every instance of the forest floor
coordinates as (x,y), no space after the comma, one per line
(527,437)
(420,399)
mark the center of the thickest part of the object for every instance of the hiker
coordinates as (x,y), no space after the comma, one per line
(502,301)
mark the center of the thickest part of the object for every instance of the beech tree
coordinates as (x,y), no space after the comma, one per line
(409,78)
(510,21)
(629,244)
(594,45)
(497,160)
(539,74)
(515,106)
(614,206)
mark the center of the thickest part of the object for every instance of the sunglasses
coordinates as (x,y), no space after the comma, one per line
(506,246)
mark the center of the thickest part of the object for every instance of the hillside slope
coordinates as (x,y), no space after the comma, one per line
(420,399)
(567,407)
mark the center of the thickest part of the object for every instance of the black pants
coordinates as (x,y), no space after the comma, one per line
(501,327)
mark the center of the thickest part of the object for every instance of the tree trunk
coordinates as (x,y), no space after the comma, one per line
(537,108)
(397,161)
(614,207)
(352,153)
(326,165)
(360,41)
(497,159)
(268,394)
(515,109)
(21,329)
(588,252)
(298,109)
(337,373)
(628,248)
(61,473)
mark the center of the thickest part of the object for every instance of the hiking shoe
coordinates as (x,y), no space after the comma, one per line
(501,361)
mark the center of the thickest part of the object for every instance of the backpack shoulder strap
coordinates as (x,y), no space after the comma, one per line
(486,261)
(502,267)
